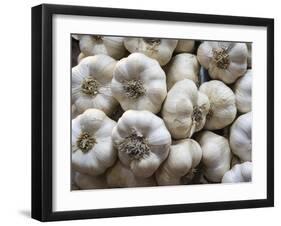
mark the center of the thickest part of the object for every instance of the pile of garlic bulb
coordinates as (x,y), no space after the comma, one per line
(155,112)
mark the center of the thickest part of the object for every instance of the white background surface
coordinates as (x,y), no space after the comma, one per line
(15,112)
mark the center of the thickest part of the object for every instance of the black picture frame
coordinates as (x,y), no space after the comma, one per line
(42,111)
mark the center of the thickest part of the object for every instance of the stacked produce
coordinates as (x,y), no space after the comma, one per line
(155,112)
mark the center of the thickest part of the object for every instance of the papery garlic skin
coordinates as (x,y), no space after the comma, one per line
(239,173)
(216,155)
(184,156)
(84,181)
(92,147)
(182,66)
(222,104)
(241,137)
(184,110)
(91,80)
(158,49)
(120,176)
(139,83)
(91,45)
(80,57)
(226,61)
(243,92)
(185,46)
(142,141)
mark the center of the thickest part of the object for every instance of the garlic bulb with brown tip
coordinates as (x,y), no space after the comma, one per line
(222,104)
(91,80)
(226,61)
(139,83)
(121,176)
(92,146)
(182,66)
(184,110)
(184,156)
(156,48)
(216,155)
(142,141)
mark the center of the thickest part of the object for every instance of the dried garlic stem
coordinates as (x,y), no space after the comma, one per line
(89,86)
(135,146)
(221,58)
(85,142)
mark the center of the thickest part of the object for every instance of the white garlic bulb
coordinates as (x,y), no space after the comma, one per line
(239,173)
(226,61)
(184,110)
(216,155)
(182,66)
(184,156)
(185,46)
(121,176)
(80,57)
(91,80)
(241,137)
(142,141)
(158,49)
(243,92)
(222,104)
(84,181)
(139,83)
(91,45)
(92,147)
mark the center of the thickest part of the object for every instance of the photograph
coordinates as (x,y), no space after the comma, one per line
(157,111)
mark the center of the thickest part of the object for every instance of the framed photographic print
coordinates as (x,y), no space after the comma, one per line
(147,112)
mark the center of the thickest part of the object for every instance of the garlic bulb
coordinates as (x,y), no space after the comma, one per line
(184,65)
(239,173)
(184,110)
(139,83)
(91,45)
(92,147)
(84,181)
(216,155)
(243,92)
(121,176)
(80,57)
(222,104)
(241,137)
(142,141)
(225,61)
(158,49)
(184,156)
(249,57)
(185,46)
(91,80)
